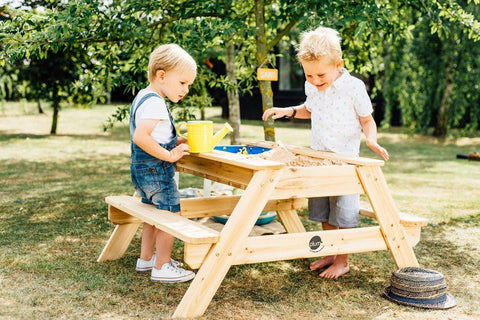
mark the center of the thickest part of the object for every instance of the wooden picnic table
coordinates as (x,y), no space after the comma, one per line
(268,185)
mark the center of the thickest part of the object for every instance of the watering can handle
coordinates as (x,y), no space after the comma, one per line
(179,125)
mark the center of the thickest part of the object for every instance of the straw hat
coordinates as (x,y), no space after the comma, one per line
(419,287)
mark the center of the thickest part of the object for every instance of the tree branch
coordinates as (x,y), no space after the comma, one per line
(280,35)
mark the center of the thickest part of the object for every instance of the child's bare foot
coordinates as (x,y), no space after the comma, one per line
(337,269)
(322,263)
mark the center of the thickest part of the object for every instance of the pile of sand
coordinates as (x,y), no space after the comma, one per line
(282,154)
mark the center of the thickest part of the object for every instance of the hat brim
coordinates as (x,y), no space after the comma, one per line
(448,303)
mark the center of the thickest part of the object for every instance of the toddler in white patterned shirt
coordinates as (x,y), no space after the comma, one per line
(340,109)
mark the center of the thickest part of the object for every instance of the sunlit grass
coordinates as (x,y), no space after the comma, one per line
(53,226)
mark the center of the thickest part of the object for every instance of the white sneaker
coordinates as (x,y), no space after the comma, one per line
(176,263)
(147,265)
(171,273)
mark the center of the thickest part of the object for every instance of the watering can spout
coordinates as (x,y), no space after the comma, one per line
(220,134)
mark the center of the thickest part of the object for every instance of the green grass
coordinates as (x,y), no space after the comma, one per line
(53,226)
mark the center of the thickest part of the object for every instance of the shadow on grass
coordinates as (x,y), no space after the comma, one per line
(470,220)
(116,134)
(44,199)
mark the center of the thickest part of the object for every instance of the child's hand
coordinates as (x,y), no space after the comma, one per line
(378,149)
(181,140)
(178,152)
(276,112)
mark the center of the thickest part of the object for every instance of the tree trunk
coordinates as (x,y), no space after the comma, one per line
(39,106)
(441,129)
(232,94)
(56,108)
(262,55)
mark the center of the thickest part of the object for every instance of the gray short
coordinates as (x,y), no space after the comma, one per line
(340,211)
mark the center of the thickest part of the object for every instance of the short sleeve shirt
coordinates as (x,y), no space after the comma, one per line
(155,108)
(335,114)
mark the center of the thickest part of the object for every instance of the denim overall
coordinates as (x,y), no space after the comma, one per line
(153,179)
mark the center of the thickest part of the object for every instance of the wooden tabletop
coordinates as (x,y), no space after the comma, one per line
(240,160)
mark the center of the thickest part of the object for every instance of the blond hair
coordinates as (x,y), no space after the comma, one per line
(168,57)
(318,43)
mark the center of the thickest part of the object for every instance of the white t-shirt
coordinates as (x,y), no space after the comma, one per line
(155,108)
(335,114)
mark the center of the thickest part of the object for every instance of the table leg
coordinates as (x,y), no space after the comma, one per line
(119,241)
(290,220)
(387,216)
(222,255)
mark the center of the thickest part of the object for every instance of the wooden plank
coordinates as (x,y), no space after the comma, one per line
(117,216)
(194,254)
(119,241)
(218,171)
(413,235)
(387,216)
(220,258)
(279,247)
(407,220)
(308,182)
(174,224)
(321,154)
(220,205)
(290,220)
(297,245)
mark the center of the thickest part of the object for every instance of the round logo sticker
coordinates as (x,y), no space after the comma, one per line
(315,244)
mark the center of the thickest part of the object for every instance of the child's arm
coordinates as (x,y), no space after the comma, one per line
(144,140)
(369,128)
(300,112)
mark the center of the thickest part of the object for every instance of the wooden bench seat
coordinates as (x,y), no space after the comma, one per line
(411,224)
(128,213)
(172,223)
(407,220)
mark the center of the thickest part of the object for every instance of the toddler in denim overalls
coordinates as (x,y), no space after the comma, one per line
(155,148)
(152,178)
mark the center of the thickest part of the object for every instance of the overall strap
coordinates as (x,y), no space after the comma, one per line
(136,105)
(174,131)
(142,100)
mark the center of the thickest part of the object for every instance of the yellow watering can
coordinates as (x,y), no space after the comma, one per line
(200,136)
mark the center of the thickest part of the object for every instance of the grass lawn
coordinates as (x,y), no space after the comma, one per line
(53,226)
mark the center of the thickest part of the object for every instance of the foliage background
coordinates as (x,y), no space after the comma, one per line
(419,58)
